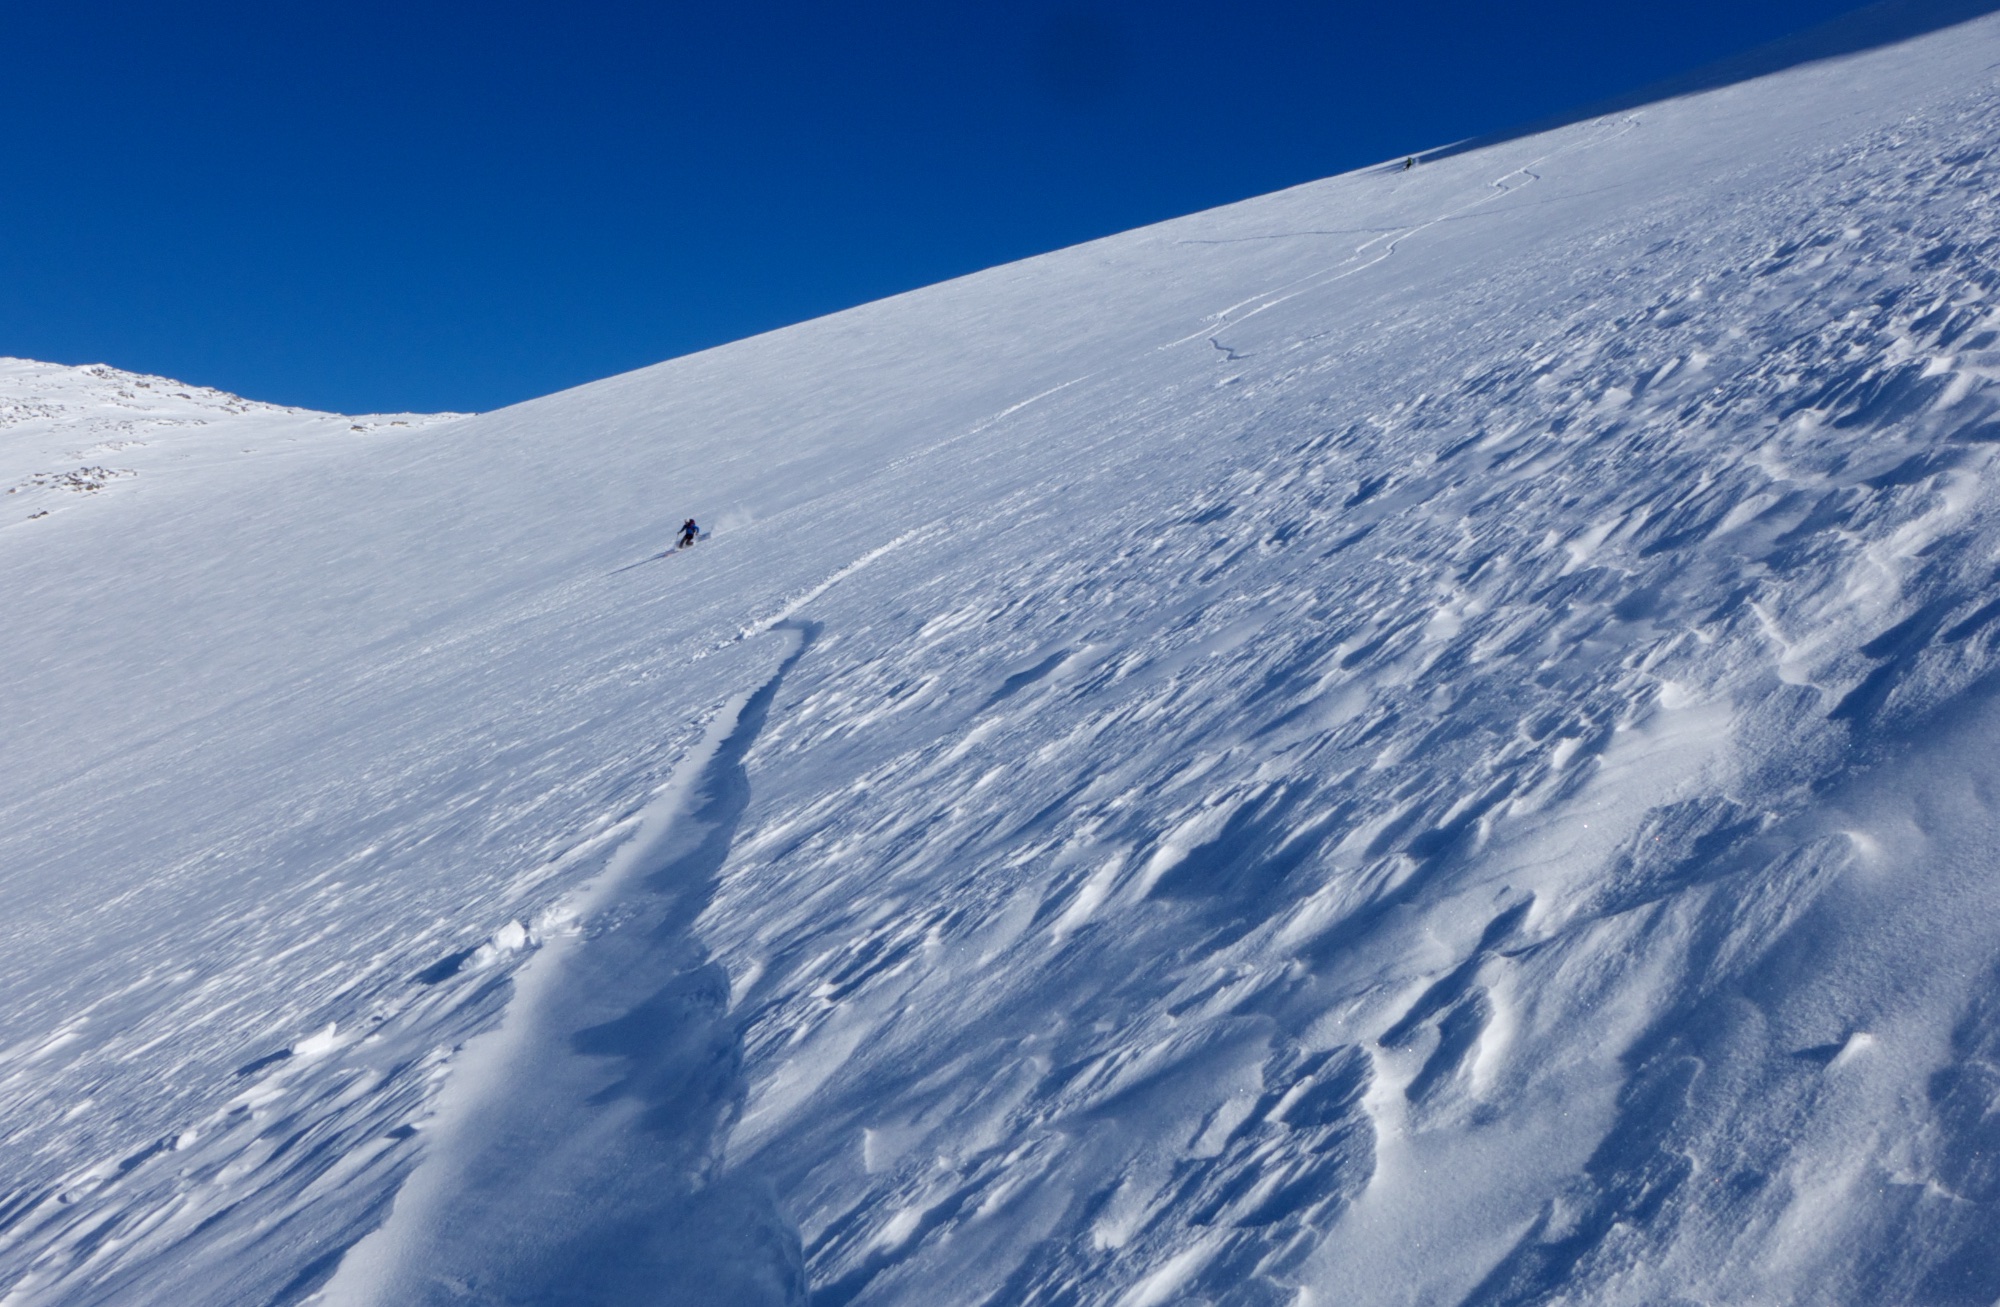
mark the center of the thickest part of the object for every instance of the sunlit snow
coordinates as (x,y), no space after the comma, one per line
(1429,738)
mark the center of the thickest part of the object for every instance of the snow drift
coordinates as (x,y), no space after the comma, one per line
(1429,738)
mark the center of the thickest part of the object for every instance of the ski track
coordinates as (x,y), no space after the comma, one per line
(1489,802)
(1390,241)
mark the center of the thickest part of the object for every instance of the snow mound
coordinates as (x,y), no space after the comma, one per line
(52,417)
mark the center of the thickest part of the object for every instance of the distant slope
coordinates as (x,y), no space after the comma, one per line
(1428,738)
(1869,27)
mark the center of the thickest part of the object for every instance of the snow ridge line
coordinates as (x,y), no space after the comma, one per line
(522,1069)
(793,605)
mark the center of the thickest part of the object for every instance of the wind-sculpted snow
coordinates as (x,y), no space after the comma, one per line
(612,1083)
(1424,739)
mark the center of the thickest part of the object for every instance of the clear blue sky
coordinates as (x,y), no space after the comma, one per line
(373,205)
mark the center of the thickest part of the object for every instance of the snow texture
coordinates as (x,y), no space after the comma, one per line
(1429,738)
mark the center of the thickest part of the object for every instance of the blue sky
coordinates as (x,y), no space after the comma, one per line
(413,205)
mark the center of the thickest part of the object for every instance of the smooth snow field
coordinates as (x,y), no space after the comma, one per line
(1431,738)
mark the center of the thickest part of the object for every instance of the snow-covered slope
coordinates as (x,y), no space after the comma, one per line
(1430,738)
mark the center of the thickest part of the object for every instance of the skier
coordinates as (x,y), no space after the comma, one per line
(1409,163)
(689,534)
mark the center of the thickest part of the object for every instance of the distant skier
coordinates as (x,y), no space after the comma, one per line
(689,534)
(1409,163)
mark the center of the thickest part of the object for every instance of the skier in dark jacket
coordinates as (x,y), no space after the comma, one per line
(689,534)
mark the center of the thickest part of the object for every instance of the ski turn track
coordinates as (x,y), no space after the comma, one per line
(1390,241)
